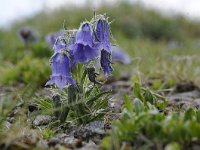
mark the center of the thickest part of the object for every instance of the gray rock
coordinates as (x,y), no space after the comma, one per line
(96,127)
(69,140)
(54,141)
(61,135)
(42,144)
(197,103)
(16,110)
(89,146)
(93,130)
(186,99)
(42,120)
(11,119)
(184,96)
(7,125)
(72,142)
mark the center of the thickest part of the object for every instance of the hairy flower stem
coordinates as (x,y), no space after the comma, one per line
(72,96)
(80,114)
(64,114)
(56,105)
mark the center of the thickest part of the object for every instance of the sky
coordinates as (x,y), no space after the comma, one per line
(12,10)
(189,8)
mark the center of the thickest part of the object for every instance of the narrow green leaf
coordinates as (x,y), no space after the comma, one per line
(137,91)
(148,96)
(198,116)
(189,114)
(127,103)
(92,99)
(138,106)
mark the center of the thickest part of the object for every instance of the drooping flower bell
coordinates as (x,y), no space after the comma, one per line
(102,35)
(83,50)
(60,70)
(59,45)
(51,38)
(85,35)
(118,55)
(105,61)
(84,54)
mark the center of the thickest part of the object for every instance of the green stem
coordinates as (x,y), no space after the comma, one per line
(83,76)
(64,114)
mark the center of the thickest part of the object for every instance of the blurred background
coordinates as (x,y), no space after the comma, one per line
(14,11)
(160,36)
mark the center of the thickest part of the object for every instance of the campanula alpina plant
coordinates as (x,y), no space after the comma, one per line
(74,73)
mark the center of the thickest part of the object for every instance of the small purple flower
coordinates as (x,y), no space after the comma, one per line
(28,34)
(106,63)
(102,33)
(84,49)
(59,45)
(60,70)
(83,54)
(51,38)
(119,56)
(85,35)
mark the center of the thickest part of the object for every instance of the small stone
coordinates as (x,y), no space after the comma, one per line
(61,135)
(69,140)
(72,142)
(11,119)
(197,103)
(94,130)
(96,127)
(15,111)
(53,141)
(7,125)
(42,120)
(42,144)
(89,146)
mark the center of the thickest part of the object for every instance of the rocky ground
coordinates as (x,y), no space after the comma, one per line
(88,137)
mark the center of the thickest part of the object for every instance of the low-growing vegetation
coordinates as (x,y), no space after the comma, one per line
(138,88)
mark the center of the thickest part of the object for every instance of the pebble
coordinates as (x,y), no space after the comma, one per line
(42,120)
(89,146)
(53,141)
(96,127)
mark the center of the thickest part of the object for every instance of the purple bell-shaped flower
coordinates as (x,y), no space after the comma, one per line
(102,33)
(84,35)
(118,55)
(83,50)
(51,37)
(59,45)
(60,70)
